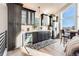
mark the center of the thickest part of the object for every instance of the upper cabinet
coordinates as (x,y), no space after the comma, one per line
(33,18)
(24,17)
(28,16)
(48,20)
(45,20)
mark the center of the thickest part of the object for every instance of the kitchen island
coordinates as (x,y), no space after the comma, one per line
(37,39)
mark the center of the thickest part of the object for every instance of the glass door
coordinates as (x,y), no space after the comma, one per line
(33,18)
(23,17)
(29,17)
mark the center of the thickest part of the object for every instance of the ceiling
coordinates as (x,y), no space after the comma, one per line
(49,8)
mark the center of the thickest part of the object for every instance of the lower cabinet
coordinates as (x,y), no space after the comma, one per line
(35,37)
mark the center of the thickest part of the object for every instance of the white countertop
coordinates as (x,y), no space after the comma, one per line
(34,31)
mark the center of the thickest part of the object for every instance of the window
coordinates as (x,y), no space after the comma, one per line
(69,16)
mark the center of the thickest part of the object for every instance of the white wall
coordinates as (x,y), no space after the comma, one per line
(3,20)
(3,17)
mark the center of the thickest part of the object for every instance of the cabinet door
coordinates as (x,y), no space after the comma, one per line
(17,19)
(33,18)
(29,17)
(10,10)
(35,37)
(26,17)
(18,14)
(40,36)
(23,19)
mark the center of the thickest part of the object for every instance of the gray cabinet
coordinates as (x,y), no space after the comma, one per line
(29,17)
(40,36)
(24,16)
(14,23)
(36,37)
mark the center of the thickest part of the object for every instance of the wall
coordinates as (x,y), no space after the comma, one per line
(3,21)
(3,18)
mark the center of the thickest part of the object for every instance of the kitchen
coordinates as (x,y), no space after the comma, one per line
(35,27)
